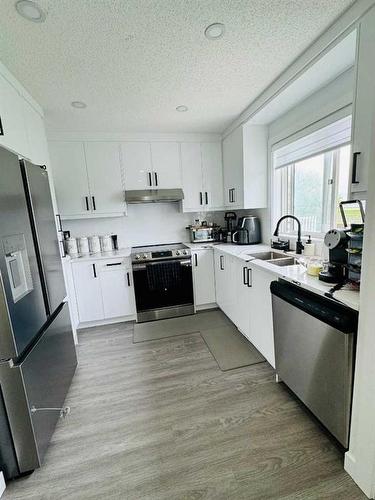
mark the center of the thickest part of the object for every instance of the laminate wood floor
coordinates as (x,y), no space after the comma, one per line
(159,420)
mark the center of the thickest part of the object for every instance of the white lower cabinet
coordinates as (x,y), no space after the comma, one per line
(243,294)
(88,291)
(261,322)
(104,289)
(225,282)
(203,276)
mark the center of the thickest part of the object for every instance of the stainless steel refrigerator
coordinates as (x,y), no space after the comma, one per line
(37,352)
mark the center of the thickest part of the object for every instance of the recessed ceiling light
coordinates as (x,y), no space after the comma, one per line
(30,11)
(182,108)
(214,31)
(79,104)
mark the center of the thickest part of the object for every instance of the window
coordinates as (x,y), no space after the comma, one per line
(311,177)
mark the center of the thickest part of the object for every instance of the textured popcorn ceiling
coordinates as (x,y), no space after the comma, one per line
(134,61)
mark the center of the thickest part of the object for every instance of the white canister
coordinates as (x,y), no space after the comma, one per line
(94,243)
(71,246)
(106,242)
(83,244)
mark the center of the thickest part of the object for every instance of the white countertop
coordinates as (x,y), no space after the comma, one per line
(115,254)
(295,274)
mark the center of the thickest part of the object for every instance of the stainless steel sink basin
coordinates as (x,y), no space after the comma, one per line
(268,255)
(289,261)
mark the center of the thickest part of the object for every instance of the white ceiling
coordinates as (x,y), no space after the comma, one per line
(134,61)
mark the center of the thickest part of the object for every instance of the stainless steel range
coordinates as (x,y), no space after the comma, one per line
(163,281)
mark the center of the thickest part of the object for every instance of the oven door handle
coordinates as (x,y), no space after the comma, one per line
(183,262)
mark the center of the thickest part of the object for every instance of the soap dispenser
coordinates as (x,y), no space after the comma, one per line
(309,249)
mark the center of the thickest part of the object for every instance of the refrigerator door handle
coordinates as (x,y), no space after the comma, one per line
(7,343)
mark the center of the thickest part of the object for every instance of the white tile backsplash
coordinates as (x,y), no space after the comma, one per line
(145,224)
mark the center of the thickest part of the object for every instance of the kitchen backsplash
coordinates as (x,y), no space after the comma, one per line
(144,225)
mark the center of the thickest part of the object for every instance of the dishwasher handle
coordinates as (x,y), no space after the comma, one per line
(328,311)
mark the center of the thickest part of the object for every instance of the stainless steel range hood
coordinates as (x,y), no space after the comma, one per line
(154,195)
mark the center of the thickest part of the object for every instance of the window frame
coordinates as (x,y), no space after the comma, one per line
(331,178)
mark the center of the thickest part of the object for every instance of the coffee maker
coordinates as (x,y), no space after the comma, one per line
(345,248)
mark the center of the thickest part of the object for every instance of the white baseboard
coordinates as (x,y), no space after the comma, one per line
(206,306)
(102,322)
(351,467)
(2,484)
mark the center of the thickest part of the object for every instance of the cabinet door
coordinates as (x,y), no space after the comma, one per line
(191,165)
(117,290)
(220,291)
(364,102)
(203,277)
(105,181)
(38,149)
(233,169)
(13,129)
(212,167)
(88,291)
(166,165)
(260,305)
(70,178)
(136,161)
(242,312)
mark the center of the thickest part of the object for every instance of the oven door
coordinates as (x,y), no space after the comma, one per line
(163,289)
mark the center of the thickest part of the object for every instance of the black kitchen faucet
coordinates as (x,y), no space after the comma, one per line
(299,245)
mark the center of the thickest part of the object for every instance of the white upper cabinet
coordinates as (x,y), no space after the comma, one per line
(136,162)
(13,134)
(70,178)
(88,179)
(38,148)
(202,176)
(364,103)
(191,163)
(154,165)
(105,179)
(165,157)
(245,167)
(212,168)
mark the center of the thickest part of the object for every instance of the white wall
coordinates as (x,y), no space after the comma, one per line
(329,99)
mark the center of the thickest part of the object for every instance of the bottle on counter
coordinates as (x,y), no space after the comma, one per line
(309,249)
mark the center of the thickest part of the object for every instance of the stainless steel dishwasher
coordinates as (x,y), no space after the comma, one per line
(314,349)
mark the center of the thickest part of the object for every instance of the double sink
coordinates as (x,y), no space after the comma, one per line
(276,258)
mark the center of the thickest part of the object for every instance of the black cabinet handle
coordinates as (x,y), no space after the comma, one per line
(206,195)
(87,203)
(233,195)
(1,127)
(114,264)
(156,178)
(355,164)
(245,276)
(222,262)
(149,179)
(249,275)
(230,195)
(201,198)
(93,202)
(196,260)
(94,270)
(128,278)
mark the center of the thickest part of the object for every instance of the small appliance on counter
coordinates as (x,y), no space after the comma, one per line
(203,232)
(248,231)
(345,248)
(230,218)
